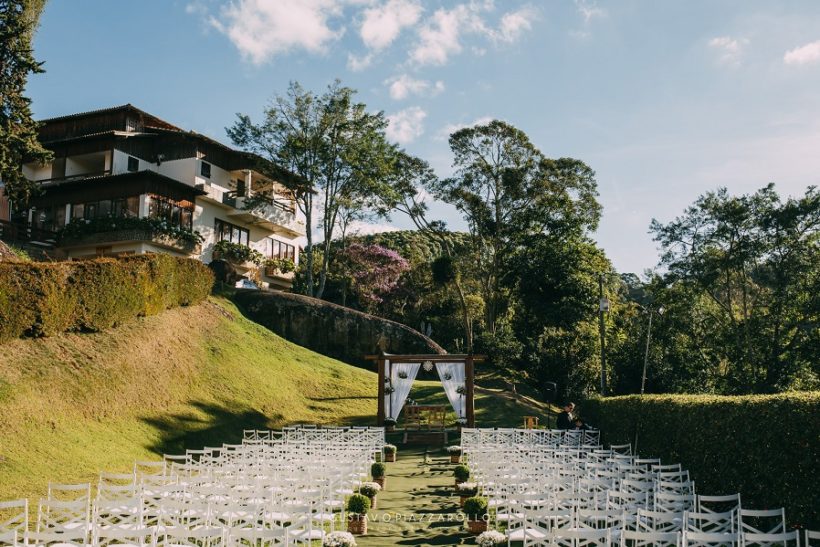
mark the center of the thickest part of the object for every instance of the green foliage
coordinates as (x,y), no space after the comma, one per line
(42,299)
(18,132)
(390,449)
(237,253)
(461,472)
(281,265)
(764,446)
(443,270)
(78,228)
(475,508)
(358,504)
(377,470)
(19,253)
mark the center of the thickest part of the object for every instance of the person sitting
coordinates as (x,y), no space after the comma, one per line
(566,418)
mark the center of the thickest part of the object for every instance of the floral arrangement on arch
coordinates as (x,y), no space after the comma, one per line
(448,376)
(339,539)
(461,390)
(491,538)
(402,374)
(389,390)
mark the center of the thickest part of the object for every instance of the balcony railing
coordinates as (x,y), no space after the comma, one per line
(23,232)
(79,176)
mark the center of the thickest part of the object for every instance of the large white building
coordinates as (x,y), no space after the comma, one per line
(124,165)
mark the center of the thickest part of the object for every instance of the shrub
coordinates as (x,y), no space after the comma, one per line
(461,472)
(369,489)
(764,446)
(454,450)
(389,422)
(358,504)
(377,470)
(81,227)
(475,508)
(237,254)
(390,449)
(42,299)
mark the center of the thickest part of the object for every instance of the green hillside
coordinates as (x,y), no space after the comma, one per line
(74,404)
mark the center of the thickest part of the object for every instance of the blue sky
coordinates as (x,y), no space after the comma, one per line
(665,100)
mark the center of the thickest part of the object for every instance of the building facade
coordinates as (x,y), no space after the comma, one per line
(125,182)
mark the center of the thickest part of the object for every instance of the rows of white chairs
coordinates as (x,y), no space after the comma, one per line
(561,488)
(275,488)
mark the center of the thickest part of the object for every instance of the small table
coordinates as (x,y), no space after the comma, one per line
(530,422)
(427,417)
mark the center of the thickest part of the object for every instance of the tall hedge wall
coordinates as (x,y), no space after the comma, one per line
(41,299)
(767,447)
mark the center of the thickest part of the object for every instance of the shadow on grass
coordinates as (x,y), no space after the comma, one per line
(214,425)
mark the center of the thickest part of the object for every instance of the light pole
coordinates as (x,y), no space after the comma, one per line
(660,311)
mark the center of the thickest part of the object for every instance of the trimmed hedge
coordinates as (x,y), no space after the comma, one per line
(42,299)
(767,447)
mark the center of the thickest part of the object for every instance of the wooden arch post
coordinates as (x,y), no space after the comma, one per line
(469,380)
(381,415)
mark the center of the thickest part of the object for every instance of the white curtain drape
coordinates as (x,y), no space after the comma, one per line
(394,402)
(452,377)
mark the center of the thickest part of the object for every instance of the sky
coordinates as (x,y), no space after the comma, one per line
(664,100)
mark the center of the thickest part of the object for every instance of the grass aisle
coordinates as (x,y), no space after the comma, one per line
(421,494)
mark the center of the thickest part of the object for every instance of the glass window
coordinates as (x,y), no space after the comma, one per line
(226,231)
(104,208)
(132,207)
(90,210)
(133,164)
(205,170)
(187,220)
(78,211)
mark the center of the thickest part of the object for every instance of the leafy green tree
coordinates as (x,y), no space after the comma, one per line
(507,189)
(18,132)
(335,145)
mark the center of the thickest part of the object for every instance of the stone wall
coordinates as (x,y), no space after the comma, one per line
(342,333)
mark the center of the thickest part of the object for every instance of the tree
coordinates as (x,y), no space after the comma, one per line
(374,272)
(747,269)
(506,189)
(332,143)
(18,132)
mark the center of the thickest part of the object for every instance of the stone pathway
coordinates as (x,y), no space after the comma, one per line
(418,506)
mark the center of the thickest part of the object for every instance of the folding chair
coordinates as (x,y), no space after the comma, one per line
(632,538)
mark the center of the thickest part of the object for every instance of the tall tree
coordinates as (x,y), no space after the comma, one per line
(506,189)
(18,132)
(334,144)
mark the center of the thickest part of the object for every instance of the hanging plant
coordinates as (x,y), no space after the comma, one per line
(389,390)
(403,375)
(461,390)
(448,376)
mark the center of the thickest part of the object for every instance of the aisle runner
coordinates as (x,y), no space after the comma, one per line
(418,507)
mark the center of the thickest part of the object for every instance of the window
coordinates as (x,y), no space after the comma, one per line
(119,207)
(175,213)
(280,249)
(205,170)
(225,231)
(133,164)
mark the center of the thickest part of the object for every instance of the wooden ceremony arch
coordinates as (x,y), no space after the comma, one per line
(469,375)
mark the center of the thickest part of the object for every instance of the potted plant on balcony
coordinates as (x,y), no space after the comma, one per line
(475,509)
(370,489)
(390,424)
(279,266)
(236,253)
(390,452)
(491,538)
(461,473)
(357,507)
(455,454)
(339,539)
(466,490)
(377,472)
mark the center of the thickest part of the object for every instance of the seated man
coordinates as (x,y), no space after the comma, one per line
(565,418)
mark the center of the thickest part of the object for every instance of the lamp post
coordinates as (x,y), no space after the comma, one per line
(660,311)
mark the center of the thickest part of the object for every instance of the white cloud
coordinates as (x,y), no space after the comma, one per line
(406,125)
(444,133)
(730,50)
(261,29)
(357,64)
(403,86)
(589,11)
(383,24)
(515,23)
(803,55)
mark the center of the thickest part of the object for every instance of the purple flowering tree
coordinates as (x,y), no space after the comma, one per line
(374,272)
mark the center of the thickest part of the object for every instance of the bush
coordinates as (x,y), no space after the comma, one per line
(358,504)
(42,299)
(461,472)
(369,489)
(390,449)
(764,446)
(475,508)
(377,470)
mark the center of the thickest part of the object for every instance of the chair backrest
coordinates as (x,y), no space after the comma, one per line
(811,538)
(717,504)
(579,538)
(786,539)
(122,535)
(14,517)
(69,492)
(707,539)
(659,521)
(763,521)
(632,538)
(717,523)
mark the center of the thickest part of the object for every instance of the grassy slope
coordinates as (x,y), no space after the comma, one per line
(75,404)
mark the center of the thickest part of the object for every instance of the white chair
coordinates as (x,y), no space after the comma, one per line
(717,504)
(709,539)
(187,537)
(63,516)
(659,521)
(715,523)
(125,536)
(784,539)
(13,521)
(577,538)
(811,538)
(53,538)
(632,538)
(763,521)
